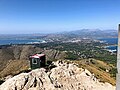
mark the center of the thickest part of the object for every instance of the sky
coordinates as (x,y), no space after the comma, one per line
(48,16)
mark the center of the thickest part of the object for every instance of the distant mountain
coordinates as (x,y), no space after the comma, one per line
(64,36)
(79,34)
(92,33)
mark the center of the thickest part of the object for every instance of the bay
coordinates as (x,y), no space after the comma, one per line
(18,41)
(110,41)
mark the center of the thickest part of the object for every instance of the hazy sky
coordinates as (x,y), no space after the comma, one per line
(43,16)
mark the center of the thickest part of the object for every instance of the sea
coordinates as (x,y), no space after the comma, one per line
(20,41)
(112,42)
(109,41)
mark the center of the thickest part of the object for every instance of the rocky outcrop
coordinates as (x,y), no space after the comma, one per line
(64,76)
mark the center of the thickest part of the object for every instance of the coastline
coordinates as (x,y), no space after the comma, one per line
(111,44)
(20,41)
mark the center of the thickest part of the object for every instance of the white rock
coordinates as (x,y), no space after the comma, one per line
(63,77)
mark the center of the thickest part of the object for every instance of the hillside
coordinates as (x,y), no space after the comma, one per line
(63,76)
(101,70)
(14,59)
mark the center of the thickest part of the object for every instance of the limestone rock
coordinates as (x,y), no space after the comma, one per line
(64,76)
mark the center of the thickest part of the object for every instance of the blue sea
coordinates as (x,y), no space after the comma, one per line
(110,41)
(19,41)
(32,41)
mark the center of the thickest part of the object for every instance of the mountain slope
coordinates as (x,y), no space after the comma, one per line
(14,59)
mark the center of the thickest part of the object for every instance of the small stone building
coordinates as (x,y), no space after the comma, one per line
(37,61)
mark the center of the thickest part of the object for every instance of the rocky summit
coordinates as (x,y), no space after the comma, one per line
(64,76)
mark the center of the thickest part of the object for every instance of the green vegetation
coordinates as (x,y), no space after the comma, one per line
(71,56)
(113,72)
(83,51)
